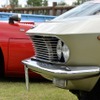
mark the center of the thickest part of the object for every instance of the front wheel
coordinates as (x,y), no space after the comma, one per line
(1,64)
(92,95)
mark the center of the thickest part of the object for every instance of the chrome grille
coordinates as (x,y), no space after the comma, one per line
(45,47)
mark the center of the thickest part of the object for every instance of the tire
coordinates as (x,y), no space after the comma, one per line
(1,64)
(92,95)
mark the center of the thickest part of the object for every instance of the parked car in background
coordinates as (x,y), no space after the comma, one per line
(67,51)
(4,16)
(15,45)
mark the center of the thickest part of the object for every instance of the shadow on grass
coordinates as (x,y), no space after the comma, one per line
(17,79)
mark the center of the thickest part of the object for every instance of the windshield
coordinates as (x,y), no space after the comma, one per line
(85,9)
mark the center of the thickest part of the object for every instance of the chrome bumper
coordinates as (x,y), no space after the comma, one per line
(60,71)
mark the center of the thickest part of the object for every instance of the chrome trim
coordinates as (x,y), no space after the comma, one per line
(45,47)
(61,71)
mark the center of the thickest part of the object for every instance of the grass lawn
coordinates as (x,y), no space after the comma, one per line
(15,89)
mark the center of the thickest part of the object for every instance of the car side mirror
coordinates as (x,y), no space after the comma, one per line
(13,18)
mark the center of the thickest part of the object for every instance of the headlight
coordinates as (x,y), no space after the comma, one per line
(62,51)
(59,49)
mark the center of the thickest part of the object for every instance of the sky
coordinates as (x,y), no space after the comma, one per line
(23,2)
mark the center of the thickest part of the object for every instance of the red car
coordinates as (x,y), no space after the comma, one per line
(15,45)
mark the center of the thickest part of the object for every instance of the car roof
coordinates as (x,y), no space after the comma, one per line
(95,1)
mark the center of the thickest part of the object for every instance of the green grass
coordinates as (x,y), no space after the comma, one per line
(11,89)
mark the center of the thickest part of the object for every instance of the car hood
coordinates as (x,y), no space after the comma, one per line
(78,25)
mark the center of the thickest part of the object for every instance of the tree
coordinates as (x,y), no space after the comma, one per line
(62,3)
(34,2)
(78,2)
(44,2)
(37,2)
(13,3)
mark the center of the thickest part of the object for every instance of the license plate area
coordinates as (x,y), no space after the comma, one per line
(60,82)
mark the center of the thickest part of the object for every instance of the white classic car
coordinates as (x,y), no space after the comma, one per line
(68,51)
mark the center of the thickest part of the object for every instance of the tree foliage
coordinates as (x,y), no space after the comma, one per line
(62,3)
(78,2)
(13,3)
(44,2)
(37,2)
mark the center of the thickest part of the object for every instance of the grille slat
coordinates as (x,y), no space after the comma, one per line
(41,56)
(45,47)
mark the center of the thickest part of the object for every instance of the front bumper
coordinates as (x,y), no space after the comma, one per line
(61,71)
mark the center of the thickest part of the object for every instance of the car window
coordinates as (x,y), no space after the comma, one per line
(85,9)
